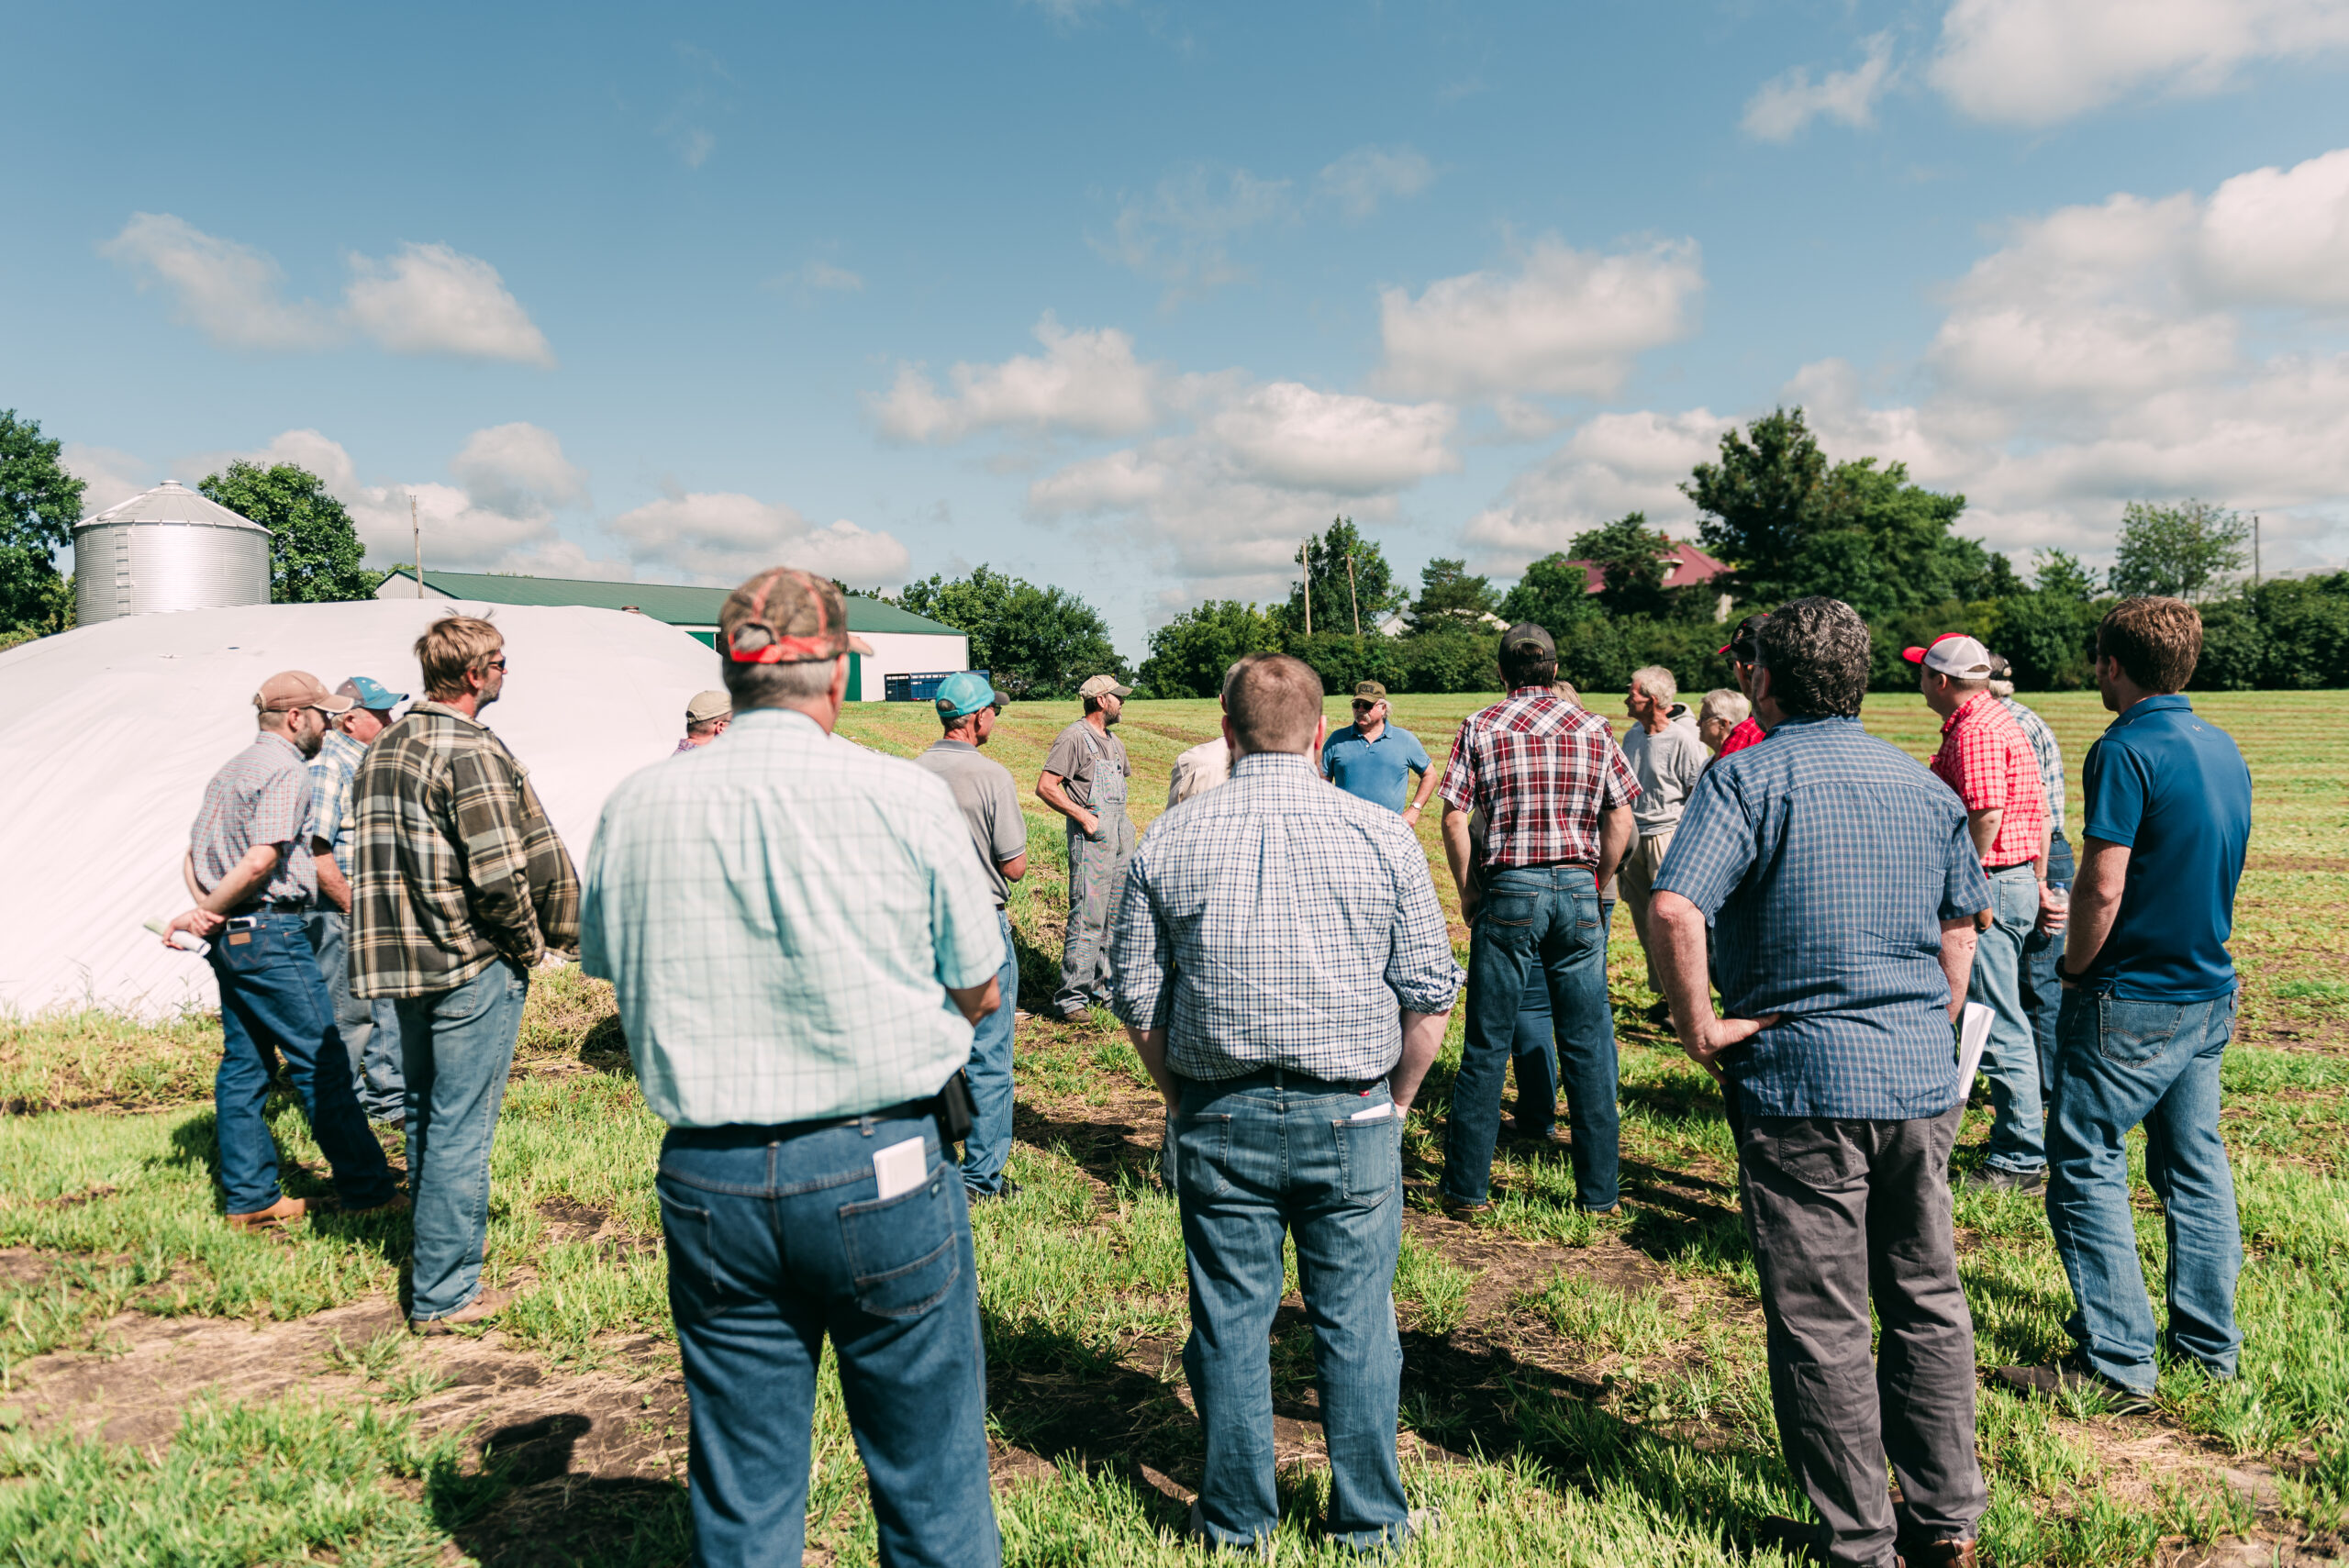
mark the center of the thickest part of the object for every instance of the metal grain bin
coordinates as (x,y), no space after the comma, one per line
(168,549)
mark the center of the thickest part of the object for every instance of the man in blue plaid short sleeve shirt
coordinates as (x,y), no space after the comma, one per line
(1284,969)
(1842,885)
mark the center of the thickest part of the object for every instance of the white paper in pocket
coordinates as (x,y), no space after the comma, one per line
(898,1169)
(1375,1113)
(1972,1034)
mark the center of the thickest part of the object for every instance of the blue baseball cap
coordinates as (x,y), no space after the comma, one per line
(962,694)
(370,694)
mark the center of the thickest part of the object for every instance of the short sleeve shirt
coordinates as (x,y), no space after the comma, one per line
(1077,752)
(1989,761)
(1826,861)
(260,797)
(2044,747)
(1378,771)
(1541,769)
(1749,732)
(990,805)
(2174,788)
(331,814)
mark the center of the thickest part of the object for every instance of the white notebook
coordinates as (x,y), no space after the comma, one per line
(1972,1034)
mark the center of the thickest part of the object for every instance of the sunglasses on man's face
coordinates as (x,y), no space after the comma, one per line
(1359,704)
(498,664)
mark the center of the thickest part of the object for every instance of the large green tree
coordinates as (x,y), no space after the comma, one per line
(1372,587)
(1629,556)
(2181,551)
(1190,654)
(40,503)
(1037,641)
(1449,597)
(313,552)
(1760,502)
(1554,594)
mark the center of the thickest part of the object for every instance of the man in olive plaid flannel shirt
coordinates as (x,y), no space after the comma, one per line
(459,886)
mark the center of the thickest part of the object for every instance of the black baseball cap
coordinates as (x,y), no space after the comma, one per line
(1527,641)
(1745,642)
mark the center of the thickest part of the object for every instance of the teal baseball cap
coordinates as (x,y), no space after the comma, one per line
(370,695)
(962,694)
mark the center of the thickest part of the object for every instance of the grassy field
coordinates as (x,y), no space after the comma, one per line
(1577,1391)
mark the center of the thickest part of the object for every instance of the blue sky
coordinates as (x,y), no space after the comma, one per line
(1128,297)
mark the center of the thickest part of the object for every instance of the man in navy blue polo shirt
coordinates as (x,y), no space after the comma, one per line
(1375,760)
(2149,1007)
(1841,958)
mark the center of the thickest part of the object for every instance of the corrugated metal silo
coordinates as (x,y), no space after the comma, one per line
(168,549)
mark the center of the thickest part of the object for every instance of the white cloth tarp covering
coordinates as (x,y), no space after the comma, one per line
(109,734)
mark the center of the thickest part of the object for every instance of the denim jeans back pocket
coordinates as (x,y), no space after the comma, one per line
(1507,909)
(902,1251)
(2131,1034)
(1370,1158)
(685,1229)
(1203,1153)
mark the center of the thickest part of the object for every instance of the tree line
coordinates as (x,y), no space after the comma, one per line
(1786,519)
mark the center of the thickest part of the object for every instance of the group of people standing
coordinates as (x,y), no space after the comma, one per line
(815,971)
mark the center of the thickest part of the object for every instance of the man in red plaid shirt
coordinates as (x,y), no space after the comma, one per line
(1987,759)
(1556,795)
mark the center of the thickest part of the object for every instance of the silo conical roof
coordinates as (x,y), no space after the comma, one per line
(171,502)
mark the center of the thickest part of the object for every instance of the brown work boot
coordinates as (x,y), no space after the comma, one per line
(284,1209)
(483,1307)
(1938,1554)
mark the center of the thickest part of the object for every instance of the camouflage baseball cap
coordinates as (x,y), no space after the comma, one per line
(785,615)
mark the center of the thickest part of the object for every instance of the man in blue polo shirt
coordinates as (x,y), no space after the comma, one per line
(2149,1007)
(1373,759)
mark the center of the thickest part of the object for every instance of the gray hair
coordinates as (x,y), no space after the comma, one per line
(1816,649)
(777,686)
(1658,682)
(1725,704)
(2002,689)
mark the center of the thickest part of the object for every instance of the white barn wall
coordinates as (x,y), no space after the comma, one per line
(908,654)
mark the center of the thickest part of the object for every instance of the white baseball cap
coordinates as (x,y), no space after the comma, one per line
(1955,654)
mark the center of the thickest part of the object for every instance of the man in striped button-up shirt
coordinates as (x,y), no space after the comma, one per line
(1269,934)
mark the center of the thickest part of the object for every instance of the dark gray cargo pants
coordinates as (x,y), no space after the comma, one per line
(1841,1213)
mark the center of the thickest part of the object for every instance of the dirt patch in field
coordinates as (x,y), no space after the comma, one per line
(588,1455)
(2337,865)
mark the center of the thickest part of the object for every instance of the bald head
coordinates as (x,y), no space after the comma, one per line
(1274,702)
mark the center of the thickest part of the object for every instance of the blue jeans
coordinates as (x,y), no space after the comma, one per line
(371,1029)
(989,1145)
(457,1046)
(1255,1157)
(1537,925)
(2119,1063)
(273,1006)
(2010,1061)
(2042,989)
(775,1240)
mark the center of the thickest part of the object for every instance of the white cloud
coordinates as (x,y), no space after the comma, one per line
(2035,62)
(2102,354)
(426,299)
(519,466)
(723,537)
(231,292)
(108,476)
(1290,435)
(429,299)
(1181,232)
(1086,381)
(819,275)
(2281,235)
(1568,321)
(1612,464)
(1358,182)
(1788,102)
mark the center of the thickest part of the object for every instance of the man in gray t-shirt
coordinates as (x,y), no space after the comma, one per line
(1667,756)
(967,708)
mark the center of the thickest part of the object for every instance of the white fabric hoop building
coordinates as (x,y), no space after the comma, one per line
(108,733)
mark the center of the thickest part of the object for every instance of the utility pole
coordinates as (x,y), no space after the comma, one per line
(416,531)
(2255,550)
(1305,560)
(1351,597)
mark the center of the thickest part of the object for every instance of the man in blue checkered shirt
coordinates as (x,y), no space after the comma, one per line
(370,1027)
(1285,972)
(1842,885)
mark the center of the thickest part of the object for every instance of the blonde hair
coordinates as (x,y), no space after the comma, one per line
(453,647)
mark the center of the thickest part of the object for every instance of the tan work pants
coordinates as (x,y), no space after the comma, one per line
(1637,878)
